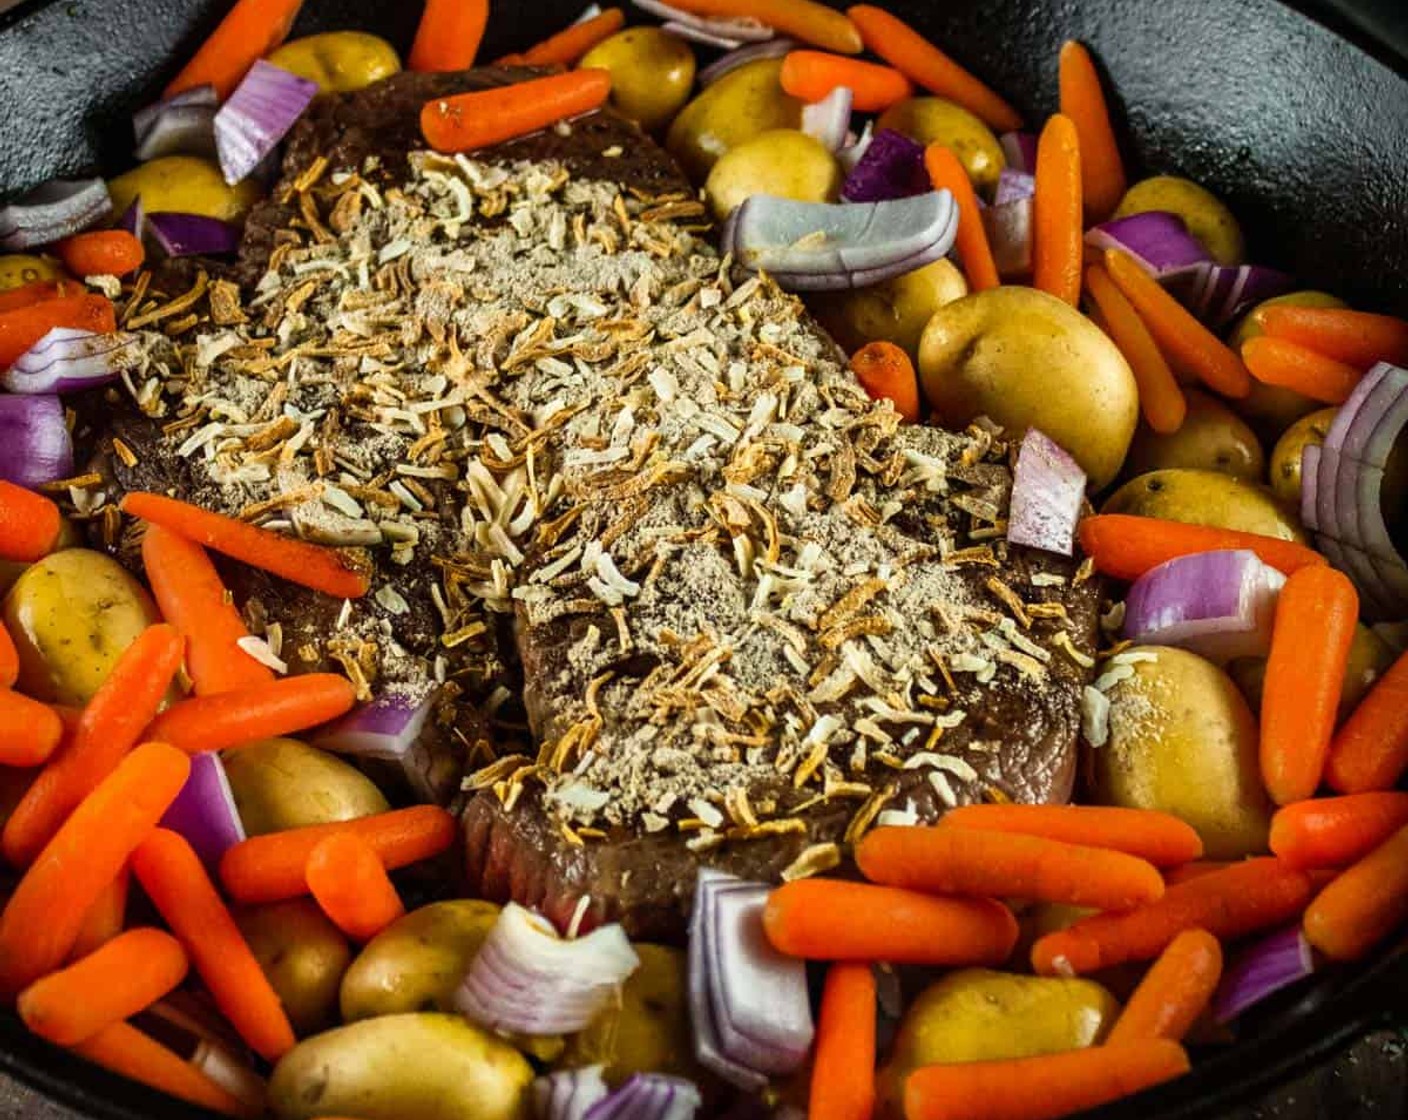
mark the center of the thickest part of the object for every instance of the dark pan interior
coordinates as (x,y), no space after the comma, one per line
(1304,133)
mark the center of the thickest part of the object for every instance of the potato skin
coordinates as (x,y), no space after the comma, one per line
(1206,216)
(933,120)
(282,783)
(1271,409)
(304,956)
(339,61)
(1308,431)
(782,162)
(652,73)
(184,184)
(895,311)
(19,269)
(1212,438)
(737,107)
(1206,498)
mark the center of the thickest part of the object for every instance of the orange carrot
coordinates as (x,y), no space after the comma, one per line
(1370,752)
(1185,872)
(947,174)
(346,878)
(1174,992)
(1181,337)
(23,327)
(104,252)
(1316,612)
(1336,831)
(39,292)
(1160,397)
(805,20)
(44,915)
(9,659)
(813,75)
(1083,100)
(109,727)
(308,565)
(1248,896)
(1274,361)
(1058,229)
(274,867)
(449,35)
(482,119)
(171,874)
(265,711)
(1125,546)
(128,1052)
(192,598)
(566,48)
(29,524)
(251,30)
(105,918)
(1357,338)
(124,977)
(1160,838)
(914,56)
(971,861)
(1364,905)
(843,1070)
(29,730)
(1040,1088)
(832,920)
(886,373)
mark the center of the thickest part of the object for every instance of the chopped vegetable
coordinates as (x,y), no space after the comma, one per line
(1261,970)
(1370,752)
(110,252)
(205,813)
(35,445)
(815,75)
(892,166)
(1125,546)
(1161,398)
(260,711)
(180,125)
(1174,992)
(1219,294)
(568,1094)
(480,119)
(1157,241)
(829,119)
(347,879)
(389,727)
(251,30)
(1057,223)
(1274,361)
(1103,180)
(38,292)
(1048,489)
(258,115)
(1337,831)
(1160,838)
(1008,222)
(946,173)
(725,32)
(52,211)
(1357,338)
(886,373)
(1364,905)
(193,235)
(70,360)
(449,35)
(1020,150)
(651,1096)
(843,1071)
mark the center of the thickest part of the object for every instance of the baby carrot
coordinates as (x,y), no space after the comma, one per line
(843,1070)
(1336,831)
(482,119)
(1083,101)
(1181,337)
(173,877)
(1125,546)
(1364,904)
(886,373)
(308,565)
(947,174)
(1174,991)
(1161,398)
(813,75)
(29,524)
(1248,896)
(1185,872)
(44,915)
(1040,1088)
(274,867)
(805,20)
(104,252)
(263,711)
(566,48)
(449,35)
(250,31)
(105,918)
(38,292)
(1371,750)
(9,659)
(1274,361)
(1357,338)
(128,1052)
(1160,838)
(1316,612)
(918,59)
(29,730)
(1058,229)
(346,878)
(107,729)
(124,977)
(970,861)
(23,327)
(832,920)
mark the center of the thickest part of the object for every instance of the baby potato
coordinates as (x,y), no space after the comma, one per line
(339,61)
(1183,740)
(1028,360)
(72,615)
(1206,498)
(1212,437)
(737,107)
(652,73)
(1271,409)
(1369,658)
(783,162)
(304,956)
(282,783)
(19,269)
(403,1067)
(184,184)
(1205,215)
(933,120)
(11,570)
(895,310)
(1308,431)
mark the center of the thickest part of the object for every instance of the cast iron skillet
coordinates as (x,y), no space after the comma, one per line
(1302,131)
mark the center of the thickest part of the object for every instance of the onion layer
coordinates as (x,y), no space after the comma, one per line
(714,32)
(260,113)
(1261,970)
(568,1094)
(204,812)
(193,235)
(1048,487)
(67,360)
(53,211)
(752,52)
(649,1096)
(35,445)
(829,120)
(394,727)
(180,125)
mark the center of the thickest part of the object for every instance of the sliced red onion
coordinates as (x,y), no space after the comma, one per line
(1157,239)
(1264,968)
(1009,229)
(1048,487)
(55,210)
(259,114)
(134,219)
(702,36)
(752,52)
(742,29)
(829,120)
(204,811)
(395,728)
(1013,186)
(193,235)
(1218,295)
(35,444)
(892,166)
(650,1096)
(67,360)
(198,97)
(855,148)
(568,1094)
(527,980)
(1020,150)
(180,125)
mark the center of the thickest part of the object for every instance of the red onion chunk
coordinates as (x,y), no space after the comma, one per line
(568,1094)
(134,219)
(204,811)
(741,30)
(856,147)
(1157,239)
(67,360)
(1013,186)
(650,1096)
(395,727)
(180,125)
(770,48)
(1264,968)
(892,166)
(1048,487)
(829,120)
(35,445)
(1020,150)
(1220,605)
(197,97)
(1218,295)
(1009,227)
(50,212)
(193,235)
(259,114)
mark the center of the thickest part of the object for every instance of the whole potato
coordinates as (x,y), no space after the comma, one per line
(72,615)
(339,61)
(1212,437)
(1205,215)
(895,310)
(1182,740)
(184,184)
(281,783)
(1369,658)
(1271,409)
(11,570)
(19,269)
(933,120)
(1206,498)
(1028,360)
(740,105)
(1308,431)
(652,73)
(783,162)
(403,1067)
(304,956)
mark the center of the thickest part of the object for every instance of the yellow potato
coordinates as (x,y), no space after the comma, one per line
(895,311)
(1206,498)
(652,73)
(19,269)
(339,61)
(1271,409)
(304,956)
(1205,215)
(784,162)
(281,783)
(1028,360)
(1308,431)
(1182,740)
(1212,438)
(737,107)
(72,615)
(1369,658)
(184,184)
(932,120)
(11,570)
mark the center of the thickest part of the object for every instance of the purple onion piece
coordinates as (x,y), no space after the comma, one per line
(179,130)
(568,1094)
(395,728)
(1048,487)
(68,360)
(892,166)
(204,812)
(134,219)
(1157,239)
(702,36)
(35,445)
(752,52)
(1264,968)
(855,149)
(650,1096)
(1020,150)
(829,120)
(193,235)
(1013,186)
(197,97)
(50,212)
(259,114)
(1009,227)
(1219,295)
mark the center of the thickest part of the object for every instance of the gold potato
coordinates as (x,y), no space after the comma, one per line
(740,105)
(281,783)
(895,310)
(304,956)
(784,163)
(339,61)
(933,120)
(1206,498)
(19,269)
(1271,409)
(651,70)
(184,184)
(1205,215)
(1369,658)
(1308,431)
(1212,437)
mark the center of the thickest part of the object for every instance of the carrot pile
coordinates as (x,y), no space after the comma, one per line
(946,173)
